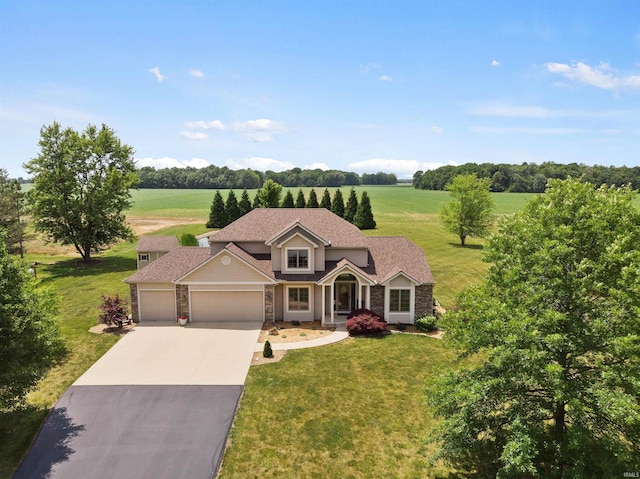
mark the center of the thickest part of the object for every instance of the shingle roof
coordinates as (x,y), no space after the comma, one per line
(153,244)
(389,255)
(263,224)
(171,266)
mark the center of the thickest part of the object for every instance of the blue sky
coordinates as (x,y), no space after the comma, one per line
(361,86)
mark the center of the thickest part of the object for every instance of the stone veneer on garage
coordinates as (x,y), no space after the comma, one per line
(134,303)
(182,299)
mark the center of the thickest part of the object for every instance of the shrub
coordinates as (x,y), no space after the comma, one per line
(365,324)
(267,352)
(295,322)
(113,310)
(188,239)
(358,312)
(426,323)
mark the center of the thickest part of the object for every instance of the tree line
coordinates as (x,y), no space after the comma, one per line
(528,177)
(216,177)
(357,212)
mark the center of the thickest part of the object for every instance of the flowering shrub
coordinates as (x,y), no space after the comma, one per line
(366,323)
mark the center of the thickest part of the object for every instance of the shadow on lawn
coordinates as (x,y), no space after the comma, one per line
(469,246)
(75,268)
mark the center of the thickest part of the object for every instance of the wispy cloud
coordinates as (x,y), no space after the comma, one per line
(194,135)
(259,163)
(541,131)
(495,63)
(196,73)
(437,130)
(168,162)
(317,166)
(599,76)
(205,125)
(511,111)
(156,72)
(261,130)
(369,67)
(386,78)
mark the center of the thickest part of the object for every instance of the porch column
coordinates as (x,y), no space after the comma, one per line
(331,301)
(324,292)
(367,288)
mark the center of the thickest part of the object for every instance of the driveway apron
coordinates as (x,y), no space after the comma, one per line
(159,404)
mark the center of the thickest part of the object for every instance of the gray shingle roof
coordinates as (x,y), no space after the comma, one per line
(156,244)
(391,254)
(263,224)
(171,266)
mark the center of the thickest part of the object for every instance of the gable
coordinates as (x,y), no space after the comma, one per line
(224,268)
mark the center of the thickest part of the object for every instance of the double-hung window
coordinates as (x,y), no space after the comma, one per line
(400,300)
(298,258)
(298,299)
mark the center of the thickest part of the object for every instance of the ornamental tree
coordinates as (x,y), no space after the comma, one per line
(29,336)
(81,184)
(556,330)
(469,212)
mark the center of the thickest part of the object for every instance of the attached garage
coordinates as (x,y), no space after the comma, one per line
(157,305)
(222,306)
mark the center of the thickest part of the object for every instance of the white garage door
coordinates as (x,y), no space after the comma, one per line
(157,306)
(227,306)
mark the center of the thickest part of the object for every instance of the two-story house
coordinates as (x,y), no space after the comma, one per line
(286,264)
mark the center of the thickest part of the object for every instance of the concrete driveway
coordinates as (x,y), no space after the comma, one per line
(159,404)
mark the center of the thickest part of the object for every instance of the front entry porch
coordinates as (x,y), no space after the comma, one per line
(341,296)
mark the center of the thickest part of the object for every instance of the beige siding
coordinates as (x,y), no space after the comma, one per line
(317,313)
(298,315)
(399,282)
(152,258)
(220,306)
(157,305)
(359,257)
(215,270)
(254,247)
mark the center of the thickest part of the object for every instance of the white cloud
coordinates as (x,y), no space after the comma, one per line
(205,125)
(317,166)
(168,162)
(259,163)
(509,111)
(540,131)
(196,73)
(369,67)
(599,77)
(192,135)
(495,63)
(156,71)
(386,78)
(437,130)
(261,130)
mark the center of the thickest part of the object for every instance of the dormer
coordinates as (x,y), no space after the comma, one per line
(297,250)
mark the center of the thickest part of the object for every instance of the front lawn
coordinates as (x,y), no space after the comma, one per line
(355,409)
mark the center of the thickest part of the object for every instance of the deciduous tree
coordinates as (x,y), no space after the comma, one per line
(556,328)
(29,337)
(469,212)
(81,184)
(12,212)
(269,195)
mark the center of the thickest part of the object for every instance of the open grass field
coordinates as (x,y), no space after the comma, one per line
(352,410)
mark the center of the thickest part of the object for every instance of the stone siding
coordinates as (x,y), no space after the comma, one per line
(424,300)
(377,299)
(134,303)
(182,299)
(268,303)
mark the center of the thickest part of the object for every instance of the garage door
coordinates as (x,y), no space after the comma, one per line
(227,306)
(157,306)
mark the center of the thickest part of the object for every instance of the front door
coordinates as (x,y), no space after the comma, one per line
(344,297)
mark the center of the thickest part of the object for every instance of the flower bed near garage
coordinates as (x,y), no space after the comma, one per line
(289,333)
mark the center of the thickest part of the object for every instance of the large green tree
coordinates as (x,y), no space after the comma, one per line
(337,204)
(556,333)
(352,206)
(245,203)
(232,207)
(269,195)
(364,215)
(218,217)
(12,212)
(325,202)
(29,337)
(287,201)
(300,201)
(312,202)
(81,184)
(469,213)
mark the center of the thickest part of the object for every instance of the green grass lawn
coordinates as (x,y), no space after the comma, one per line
(351,410)
(328,402)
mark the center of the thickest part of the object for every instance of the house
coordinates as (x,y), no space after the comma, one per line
(285,264)
(150,248)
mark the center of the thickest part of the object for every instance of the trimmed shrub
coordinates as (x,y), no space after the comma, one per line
(267,352)
(358,312)
(426,323)
(363,324)
(188,239)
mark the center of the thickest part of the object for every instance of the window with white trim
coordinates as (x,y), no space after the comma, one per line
(400,300)
(298,299)
(298,258)
(143,257)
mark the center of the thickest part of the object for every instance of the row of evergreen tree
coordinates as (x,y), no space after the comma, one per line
(356,212)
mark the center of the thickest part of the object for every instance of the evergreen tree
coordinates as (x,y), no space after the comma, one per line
(300,201)
(326,200)
(245,203)
(312,202)
(218,215)
(287,201)
(364,216)
(337,205)
(352,206)
(232,208)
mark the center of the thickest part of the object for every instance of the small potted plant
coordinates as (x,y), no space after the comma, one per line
(182,320)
